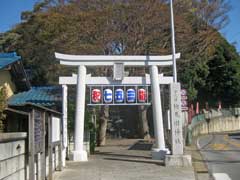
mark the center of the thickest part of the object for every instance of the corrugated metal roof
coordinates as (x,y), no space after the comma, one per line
(44,96)
(7,59)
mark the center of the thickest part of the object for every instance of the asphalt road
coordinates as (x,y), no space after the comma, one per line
(222,155)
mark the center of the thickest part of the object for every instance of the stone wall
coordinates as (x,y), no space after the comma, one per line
(13,156)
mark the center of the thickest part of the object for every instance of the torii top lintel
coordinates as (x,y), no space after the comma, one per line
(109,60)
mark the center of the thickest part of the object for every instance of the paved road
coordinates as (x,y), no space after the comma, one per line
(119,160)
(222,154)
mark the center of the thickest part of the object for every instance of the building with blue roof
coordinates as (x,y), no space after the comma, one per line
(12,74)
(7,59)
(20,96)
(47,96)
(19,91)
(35,111)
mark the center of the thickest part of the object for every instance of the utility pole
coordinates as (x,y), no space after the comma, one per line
(173,43)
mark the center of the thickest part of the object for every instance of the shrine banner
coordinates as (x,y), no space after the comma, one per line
(142,95)
(131,95)
(119,95)
(108,95)
(96,95)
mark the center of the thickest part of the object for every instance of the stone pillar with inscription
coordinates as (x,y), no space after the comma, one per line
(176,119)
(177,158)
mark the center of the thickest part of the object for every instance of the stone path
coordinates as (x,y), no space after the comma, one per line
(118,160)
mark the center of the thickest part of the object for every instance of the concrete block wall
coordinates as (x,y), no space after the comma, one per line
(13,156)
(217,125)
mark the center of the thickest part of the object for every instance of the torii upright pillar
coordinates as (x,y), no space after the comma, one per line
(79,154)
(159,151)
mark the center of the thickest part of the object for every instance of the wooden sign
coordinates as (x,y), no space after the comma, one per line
(38,131)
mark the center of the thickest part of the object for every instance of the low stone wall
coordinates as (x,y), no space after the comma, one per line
(217,125)
(13,156)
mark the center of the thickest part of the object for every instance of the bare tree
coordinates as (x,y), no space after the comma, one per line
(103,120)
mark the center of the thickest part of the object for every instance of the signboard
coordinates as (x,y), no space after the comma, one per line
(56,129)
(38,131)
(184,101)
(176,119)
(118,71)
(65,112)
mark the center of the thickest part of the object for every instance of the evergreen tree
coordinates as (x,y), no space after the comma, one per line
(223,80)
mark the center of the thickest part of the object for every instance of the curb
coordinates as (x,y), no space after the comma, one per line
(199,148)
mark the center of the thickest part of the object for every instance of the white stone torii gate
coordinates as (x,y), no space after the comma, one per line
(82,79)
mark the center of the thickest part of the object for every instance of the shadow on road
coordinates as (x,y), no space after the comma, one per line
(160,163)
(121,155)
(142,145)
(223,161)
(139,152)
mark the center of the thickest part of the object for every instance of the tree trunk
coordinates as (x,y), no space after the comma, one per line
(143,122)
(103,125)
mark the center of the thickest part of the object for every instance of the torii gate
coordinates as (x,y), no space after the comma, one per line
(82,79)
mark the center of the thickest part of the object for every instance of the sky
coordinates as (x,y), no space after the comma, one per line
(232,30)
(10,14)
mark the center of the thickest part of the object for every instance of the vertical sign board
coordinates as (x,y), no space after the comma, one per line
(118,71)
(38,131)
(56,129)
(184,99)
(65,112)
(176,119)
